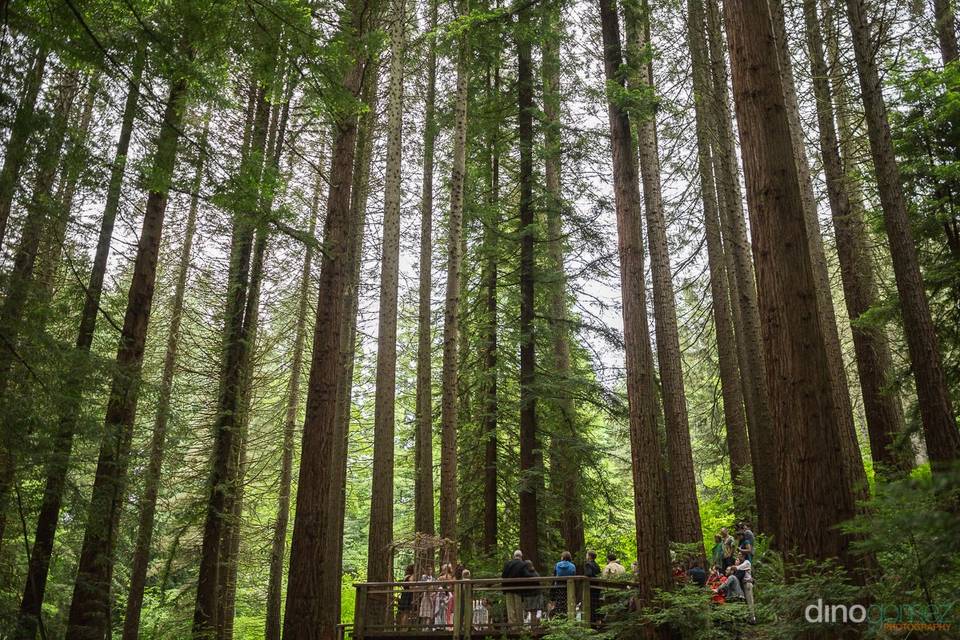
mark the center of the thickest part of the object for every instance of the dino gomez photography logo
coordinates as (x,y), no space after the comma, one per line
(939,616)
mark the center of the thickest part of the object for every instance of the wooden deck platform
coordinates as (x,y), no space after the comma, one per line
(471,609)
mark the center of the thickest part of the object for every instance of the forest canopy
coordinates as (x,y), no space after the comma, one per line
(369,318)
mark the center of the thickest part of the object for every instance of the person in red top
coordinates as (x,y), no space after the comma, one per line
(679,575)
(714,581)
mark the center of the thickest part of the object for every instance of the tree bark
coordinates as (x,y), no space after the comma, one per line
(360,192)
(148,504)
(451,311)
(379,551)
(279,544)
(227,425)
(90,606)
(683,504)
(15,152)
(236,471)
(423,476)
(653,559)
(933,396)
(853,459)
(230,542)
(56,472)
(564,468)
(874,363)
(531,469)
(810,455)
(745,309)
(738,447)
(946,24)
(313,587)
(489,279)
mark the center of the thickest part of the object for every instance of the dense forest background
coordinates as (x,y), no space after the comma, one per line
(285,281)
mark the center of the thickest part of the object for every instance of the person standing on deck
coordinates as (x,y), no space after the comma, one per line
(563,569)
(592,570)
(443,610)
(405,603)
(515,568)
(427,599)
(533,598)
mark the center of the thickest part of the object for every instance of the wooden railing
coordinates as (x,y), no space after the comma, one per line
(476,608)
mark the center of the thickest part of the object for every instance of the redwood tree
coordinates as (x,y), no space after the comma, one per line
(933,393)
(683,504)
(20,280)
(148,503)
(279,543)
(90,606)
(881,405)
(379,551)
(809,448)
(307,615)
(451,309)
(531,469)
(745,310)
(564,470)
(653,558)
(423,466)
(738,447)
(49,515)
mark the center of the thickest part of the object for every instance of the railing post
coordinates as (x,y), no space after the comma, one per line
(587,600)
(457,594)
(466,609)
(571,598)
(359,612)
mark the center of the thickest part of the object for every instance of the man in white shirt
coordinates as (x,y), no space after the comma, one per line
(613,569)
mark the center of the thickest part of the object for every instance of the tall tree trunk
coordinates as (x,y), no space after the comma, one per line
(853,459)
(379,551)
(489,279)
(531,471)
(564,474)
(945,24)
(57,468)
(650,510)
(21,277)
(683,504)
(313,588)
(359,195)
(874,363)
(227,425)
(738,447)
(451,310)
(148,504)
(71,167)
(946,18)
(933,395)
(15,152)
(230,543)
(423,476)
(745,309)
(809,448)
(236,480)
(279,544)
(90,606)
